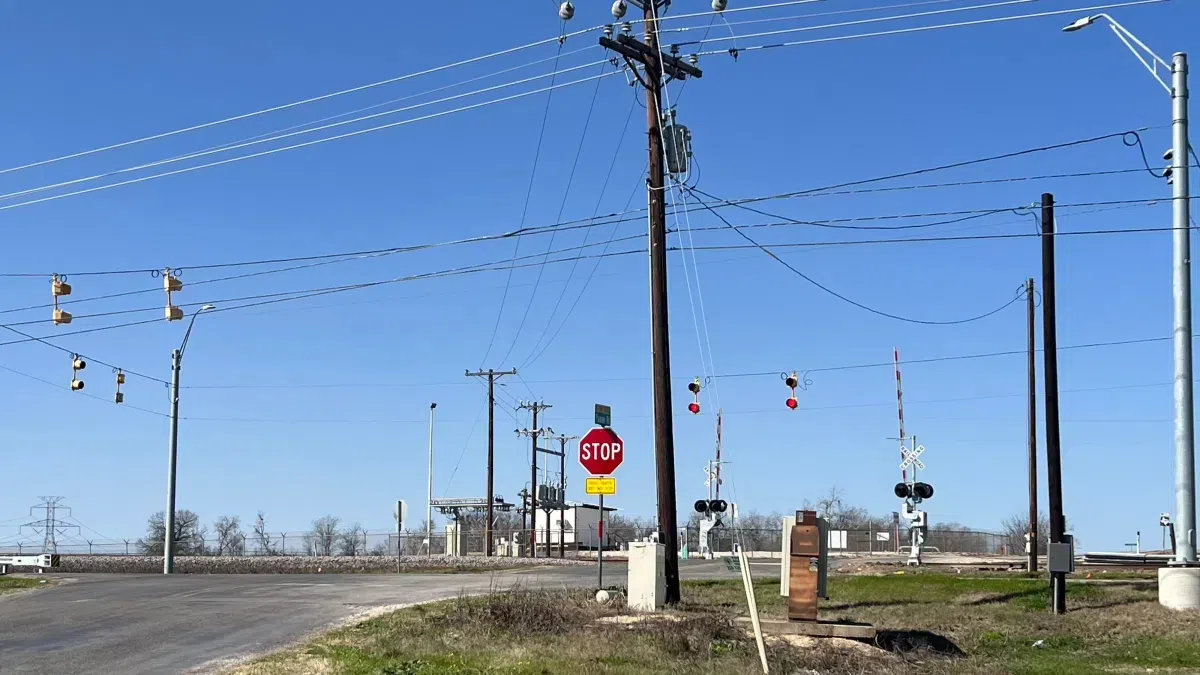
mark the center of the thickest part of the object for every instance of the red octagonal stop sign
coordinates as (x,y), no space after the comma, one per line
(601,451)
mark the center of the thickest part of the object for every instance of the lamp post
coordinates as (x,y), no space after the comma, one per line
(169,516)
(1177,174)
(429,503)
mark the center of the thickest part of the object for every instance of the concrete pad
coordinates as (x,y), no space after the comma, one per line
(1179,587)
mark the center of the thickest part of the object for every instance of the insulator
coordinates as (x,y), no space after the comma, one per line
(566,11)
(619,8)
(719,5)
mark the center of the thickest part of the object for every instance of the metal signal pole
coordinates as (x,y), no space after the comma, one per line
(1033,481)
(491,461)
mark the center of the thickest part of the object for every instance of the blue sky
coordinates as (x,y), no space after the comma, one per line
(84,76)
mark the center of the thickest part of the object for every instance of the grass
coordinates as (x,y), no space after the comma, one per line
(929,623)
(14,584)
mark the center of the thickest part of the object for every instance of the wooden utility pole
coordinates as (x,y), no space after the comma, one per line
(491,461)
(656,64)
(1058,580)
(1033,481)
(536,408)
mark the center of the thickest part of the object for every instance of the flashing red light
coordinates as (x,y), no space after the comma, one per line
(793,403)
(694,408)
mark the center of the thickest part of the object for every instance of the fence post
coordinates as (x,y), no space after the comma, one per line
(19,548)
(126,547)
(283,545)
(89,541)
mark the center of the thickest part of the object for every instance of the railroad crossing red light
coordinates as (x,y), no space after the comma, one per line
(694,408)
(793,403)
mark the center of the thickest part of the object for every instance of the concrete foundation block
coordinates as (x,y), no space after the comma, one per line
(647,584)
(1179,587)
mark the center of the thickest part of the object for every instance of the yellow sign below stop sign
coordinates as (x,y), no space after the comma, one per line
(606,486)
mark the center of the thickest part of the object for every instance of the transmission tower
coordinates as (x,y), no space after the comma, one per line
(50,526)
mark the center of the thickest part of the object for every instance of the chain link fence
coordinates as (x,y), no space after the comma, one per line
(472,542)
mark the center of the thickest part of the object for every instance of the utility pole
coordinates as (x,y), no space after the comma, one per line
(172,462)
(491,461)
(657,64)
(563,439)
(1185,448)
(536,407)
(1033,482)
(50,526)
(1058,580)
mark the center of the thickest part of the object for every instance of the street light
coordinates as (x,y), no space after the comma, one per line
(169,516)
(1185,450)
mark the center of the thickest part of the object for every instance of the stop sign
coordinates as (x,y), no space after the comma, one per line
(601,451)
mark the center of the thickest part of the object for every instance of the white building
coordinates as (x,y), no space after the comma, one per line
(580,526)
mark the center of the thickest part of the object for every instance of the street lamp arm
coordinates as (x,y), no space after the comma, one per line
(1151,66)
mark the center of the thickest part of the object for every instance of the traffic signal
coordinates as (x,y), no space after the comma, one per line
(711,506)
(58,288)
(917,491)
(120,397)
(77,364)
(792,381)
(694,387)
(172,284)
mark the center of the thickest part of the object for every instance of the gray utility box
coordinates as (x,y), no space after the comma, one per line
(1062,556)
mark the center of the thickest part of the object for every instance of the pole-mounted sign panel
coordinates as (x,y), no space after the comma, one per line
(603,415)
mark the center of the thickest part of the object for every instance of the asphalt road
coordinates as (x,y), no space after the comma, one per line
(150,624)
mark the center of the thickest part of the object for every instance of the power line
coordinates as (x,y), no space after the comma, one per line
(793,17)
(561,208)
(843,298)
(901,31)
(537,155)
(295,146)
(294,104)
(859,22)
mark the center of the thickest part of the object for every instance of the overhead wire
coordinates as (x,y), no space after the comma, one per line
(830,291)
(278,137)
(919,29)
(429,71)
(860,22)
(305,144)
(537,154)
(795,17)
(587,122)
(587,233)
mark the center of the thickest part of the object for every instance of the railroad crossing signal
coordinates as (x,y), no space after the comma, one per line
(911,458)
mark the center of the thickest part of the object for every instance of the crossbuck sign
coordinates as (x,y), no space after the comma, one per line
(910,459)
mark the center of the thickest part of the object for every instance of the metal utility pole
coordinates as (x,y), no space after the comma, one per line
(563,439)
(429,503)
(1058,580)
(656,65)
(491,460)
(50,526)
(536,407)
(1033,481)
(169,516)
(1185,448)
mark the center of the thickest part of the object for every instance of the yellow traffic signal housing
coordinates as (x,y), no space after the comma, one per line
(171,283)
(76,385)
(61,316)
(174,313)
(59,287)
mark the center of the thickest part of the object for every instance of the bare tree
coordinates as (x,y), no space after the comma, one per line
(321,539)
(353,540)
(1014,528)
(230,540)
(261,538)
(189,534)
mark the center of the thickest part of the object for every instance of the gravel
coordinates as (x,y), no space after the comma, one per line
(295,564)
